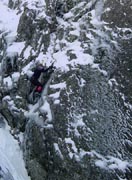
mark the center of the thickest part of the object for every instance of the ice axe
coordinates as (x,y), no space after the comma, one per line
(53,63)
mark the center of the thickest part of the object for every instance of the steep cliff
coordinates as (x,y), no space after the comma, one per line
(80,128)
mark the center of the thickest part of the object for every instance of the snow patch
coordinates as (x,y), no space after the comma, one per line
(15,48)
(15,76)
(27,52)
(112,163)
(9,19)
(55,95)
(58,86)
(34,4)
(68,15)
(8,82)
(73,147)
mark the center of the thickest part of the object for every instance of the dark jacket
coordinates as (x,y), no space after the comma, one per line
(38,71)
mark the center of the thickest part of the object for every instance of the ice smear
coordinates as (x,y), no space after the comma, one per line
(58,151)
(11,158)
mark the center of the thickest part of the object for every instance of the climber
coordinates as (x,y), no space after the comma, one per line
(37,72)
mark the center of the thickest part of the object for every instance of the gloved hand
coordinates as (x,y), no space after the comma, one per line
(52,67)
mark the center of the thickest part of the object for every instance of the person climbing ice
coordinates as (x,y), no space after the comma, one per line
(40,68)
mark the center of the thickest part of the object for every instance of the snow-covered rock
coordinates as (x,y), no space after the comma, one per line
(80,127)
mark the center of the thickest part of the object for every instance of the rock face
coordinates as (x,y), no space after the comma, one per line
(81,128)
(118,13)
(120,20)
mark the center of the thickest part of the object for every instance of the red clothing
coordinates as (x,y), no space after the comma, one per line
(34,79)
